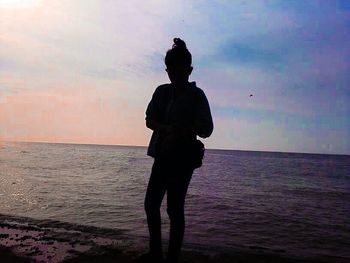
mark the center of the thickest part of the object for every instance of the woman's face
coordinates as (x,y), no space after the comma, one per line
(178,73)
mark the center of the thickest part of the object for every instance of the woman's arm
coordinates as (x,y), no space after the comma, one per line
(170,129)
(156,126)
(203,125)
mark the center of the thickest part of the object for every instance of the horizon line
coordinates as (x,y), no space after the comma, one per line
(216,149)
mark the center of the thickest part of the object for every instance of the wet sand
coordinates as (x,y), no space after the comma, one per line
(55,242)
(115,255)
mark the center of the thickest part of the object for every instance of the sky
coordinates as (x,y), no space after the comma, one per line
(83,71)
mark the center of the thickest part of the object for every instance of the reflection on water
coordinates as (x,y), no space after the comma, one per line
(293,202)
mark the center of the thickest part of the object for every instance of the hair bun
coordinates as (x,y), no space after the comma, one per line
(179,43)
(178,54)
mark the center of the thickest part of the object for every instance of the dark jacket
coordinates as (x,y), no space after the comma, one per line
(189,109)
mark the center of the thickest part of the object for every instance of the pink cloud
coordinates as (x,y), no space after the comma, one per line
(80,112)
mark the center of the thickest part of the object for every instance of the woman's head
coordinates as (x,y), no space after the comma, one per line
(178,61)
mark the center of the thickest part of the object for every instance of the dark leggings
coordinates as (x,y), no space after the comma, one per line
(174,180)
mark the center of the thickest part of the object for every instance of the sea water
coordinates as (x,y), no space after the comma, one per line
(287,202)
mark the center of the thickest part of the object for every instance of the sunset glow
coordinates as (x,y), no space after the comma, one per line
(84,71)
(17,3)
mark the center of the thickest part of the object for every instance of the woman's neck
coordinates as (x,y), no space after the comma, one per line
(180,86)
(179,89)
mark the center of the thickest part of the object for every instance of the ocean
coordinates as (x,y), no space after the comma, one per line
(291,203)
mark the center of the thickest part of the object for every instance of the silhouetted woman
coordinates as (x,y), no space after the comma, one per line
(177,113)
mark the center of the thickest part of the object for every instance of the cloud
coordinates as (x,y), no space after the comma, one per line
(293,58)
(299,67)
(75,112)
(268,135)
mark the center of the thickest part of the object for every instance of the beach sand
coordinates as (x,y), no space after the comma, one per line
(29,240)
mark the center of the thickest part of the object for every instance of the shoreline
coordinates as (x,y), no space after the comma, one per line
(32,240)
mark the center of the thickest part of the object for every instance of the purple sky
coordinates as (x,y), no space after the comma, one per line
(84,71)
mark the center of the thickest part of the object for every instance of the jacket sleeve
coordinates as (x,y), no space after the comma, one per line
(203,120)
(152,110)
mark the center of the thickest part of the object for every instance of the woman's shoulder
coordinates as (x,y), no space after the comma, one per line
(198,91)
(161,92)
(163,88)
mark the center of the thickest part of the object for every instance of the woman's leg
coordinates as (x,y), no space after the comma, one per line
(155,192)
(177,190)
